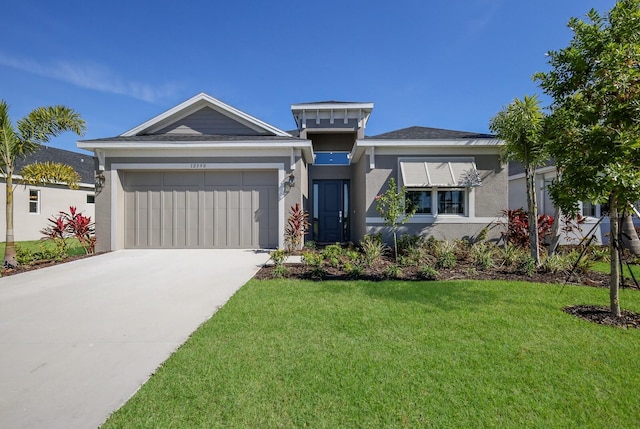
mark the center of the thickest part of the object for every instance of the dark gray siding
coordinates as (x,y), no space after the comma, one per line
(207,121)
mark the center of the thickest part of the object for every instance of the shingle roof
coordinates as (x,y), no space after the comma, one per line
(426,133)
(188,138)
(82,163)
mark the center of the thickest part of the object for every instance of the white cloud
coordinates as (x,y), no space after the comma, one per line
(90,75)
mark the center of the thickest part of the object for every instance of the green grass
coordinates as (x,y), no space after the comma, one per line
(289,353)
(605,267)
(74,246)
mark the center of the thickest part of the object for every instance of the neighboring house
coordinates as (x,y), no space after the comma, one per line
(544,177)
(33,205)
(206,175)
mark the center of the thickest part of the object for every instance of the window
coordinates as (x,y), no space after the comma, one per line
(589,209)
(91,199)
(450,201)
(421,200)
(34,201)
(331,158)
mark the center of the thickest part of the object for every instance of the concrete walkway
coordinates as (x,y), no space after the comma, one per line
(78,339)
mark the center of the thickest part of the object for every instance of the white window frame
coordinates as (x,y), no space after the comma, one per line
(38,201)
(435,203)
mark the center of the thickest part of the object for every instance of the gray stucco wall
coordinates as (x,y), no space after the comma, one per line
(490,199)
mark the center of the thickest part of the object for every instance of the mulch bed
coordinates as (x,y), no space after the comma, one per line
(462,271)
(40,264)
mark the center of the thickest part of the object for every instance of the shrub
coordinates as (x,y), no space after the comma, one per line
(314,262)
(482,255)
(280,271)
(445,255)
(278,257)
(556,263)
(518,227)
(297,226)
(526,265)
(72,224)
(353,269)
(393,272)
(24,256)
(427,272)
(408,243)
(579,266)
(510,254)
(332,253)
(372,247)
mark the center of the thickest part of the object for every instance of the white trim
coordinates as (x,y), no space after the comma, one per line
(372,158)
(430,143)
(279,167)
(205,99)
(38,201)
(442,219)
(334,106)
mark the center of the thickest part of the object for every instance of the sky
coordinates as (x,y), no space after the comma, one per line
(449,64)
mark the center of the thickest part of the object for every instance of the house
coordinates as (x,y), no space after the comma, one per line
(596,220)
(207,175)
(33,205)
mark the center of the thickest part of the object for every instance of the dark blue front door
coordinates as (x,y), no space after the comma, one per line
(331,211)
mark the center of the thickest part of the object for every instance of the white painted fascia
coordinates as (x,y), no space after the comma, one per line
(197,102)
(405,147)
(331,106)
(304,146)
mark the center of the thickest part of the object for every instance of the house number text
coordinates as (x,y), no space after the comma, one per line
(198,165)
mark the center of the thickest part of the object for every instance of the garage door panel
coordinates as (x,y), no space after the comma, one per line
(222,178)
(176,213)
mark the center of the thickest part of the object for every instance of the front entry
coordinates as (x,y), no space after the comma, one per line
(331,211)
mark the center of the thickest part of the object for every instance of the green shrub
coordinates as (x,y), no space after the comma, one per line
(526,265)
(314,262)
(579,266)
(310,245)
(280,271)
(556,263)
(408,243)
(24,256)
(332,254)
(482,255)
(427,272)
(372,247)
(510,254)
(278,257)
(353,269)
(57,252)
(393,272)
(599,253)
(445,255)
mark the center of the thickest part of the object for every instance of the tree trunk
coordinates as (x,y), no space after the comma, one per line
(614,279)
(555,232)
(10,249)
(533,214)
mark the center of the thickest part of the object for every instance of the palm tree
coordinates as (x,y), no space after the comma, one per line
(520,125)
(36,128)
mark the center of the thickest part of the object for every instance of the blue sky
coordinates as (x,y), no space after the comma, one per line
(446,64)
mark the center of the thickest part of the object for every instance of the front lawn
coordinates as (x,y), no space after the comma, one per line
(291,353)
(74,248)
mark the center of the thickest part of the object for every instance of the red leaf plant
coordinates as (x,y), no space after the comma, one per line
(297,226)
(72,224)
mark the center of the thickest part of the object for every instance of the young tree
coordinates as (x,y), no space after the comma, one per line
(595,86)
(52,173)
(38,127)
(395,209)
(520,125)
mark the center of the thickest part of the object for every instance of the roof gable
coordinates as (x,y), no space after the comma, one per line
(191,118)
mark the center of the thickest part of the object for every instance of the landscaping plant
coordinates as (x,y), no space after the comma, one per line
(395,209)
(297,226)
(72,224)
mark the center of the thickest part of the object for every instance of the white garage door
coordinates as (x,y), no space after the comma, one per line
(207,209)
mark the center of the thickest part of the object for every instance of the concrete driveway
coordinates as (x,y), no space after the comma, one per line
(78,339)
